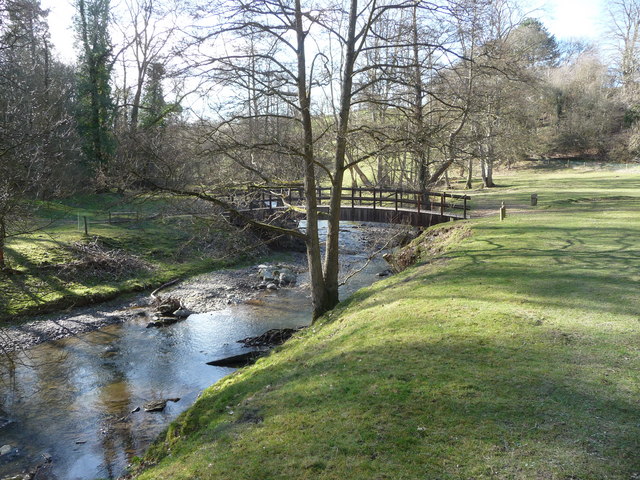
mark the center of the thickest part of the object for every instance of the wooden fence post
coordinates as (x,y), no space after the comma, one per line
(86,226)
(503,212)
(464,211)
(442,200)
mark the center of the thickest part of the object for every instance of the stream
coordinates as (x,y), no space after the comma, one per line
(73,403)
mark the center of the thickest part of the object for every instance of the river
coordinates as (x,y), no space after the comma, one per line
(73,401)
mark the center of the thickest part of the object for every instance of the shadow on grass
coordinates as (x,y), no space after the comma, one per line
(27,284)
(451,408)
(561,267)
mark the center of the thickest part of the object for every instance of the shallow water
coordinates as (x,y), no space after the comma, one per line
(72,399)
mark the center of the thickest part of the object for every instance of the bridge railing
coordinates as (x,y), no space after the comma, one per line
(436,202)
(442,203)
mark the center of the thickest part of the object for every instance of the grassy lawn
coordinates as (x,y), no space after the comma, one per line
(143,252)
(511,350)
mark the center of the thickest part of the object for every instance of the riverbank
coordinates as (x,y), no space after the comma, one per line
(506,351)
(200,293)
(132,244)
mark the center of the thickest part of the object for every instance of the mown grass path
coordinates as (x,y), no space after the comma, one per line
(513,353)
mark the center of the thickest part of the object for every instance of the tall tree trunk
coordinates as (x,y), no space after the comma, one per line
(380,171)
(469,183)
(135,107)
(3,236)
(483,170)
(418,109)
(319,298)
(487,174)
(331,264)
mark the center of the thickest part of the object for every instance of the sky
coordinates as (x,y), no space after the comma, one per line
(566,19)
(60,27)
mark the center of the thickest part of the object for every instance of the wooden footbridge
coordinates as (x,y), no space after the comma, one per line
(408,207)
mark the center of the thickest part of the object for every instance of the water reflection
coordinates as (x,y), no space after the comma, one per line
(75,398)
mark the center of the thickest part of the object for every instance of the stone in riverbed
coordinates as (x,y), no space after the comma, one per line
(384,273)
(5,422)
(270,338)
(182,313)
(237,361)
(166,308)
(158,405)
(286,277)
(266,273)
(5,450)
(272,286)
(162,321)
(109,351)
(155,406)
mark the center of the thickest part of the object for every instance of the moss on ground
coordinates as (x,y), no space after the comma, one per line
(514,358)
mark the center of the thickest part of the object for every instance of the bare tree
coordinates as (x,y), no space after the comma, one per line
(35,122)
(303,67)
(588,111)
(313,89)
(624,32)
(147,29)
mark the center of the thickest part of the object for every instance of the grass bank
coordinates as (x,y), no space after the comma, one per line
(147,242)
(509,351)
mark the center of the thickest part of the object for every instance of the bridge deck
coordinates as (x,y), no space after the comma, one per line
(365,204)
(405,216)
